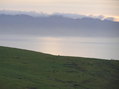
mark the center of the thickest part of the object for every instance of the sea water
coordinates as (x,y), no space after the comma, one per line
(104,48)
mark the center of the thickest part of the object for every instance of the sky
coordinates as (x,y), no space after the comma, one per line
(108,8)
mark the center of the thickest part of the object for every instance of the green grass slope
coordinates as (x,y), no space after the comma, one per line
(23,69)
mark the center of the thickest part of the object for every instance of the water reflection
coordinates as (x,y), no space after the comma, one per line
(50,45)
(71,46)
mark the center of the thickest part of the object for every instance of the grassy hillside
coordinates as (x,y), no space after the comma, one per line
(22,69)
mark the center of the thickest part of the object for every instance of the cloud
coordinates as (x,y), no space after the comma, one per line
(31,13)
(68,15)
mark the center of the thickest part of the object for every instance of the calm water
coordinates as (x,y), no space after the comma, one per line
(107,48)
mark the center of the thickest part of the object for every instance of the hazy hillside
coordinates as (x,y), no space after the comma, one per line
(57,25)
(22,69)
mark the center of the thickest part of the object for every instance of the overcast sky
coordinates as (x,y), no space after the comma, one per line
(85,7)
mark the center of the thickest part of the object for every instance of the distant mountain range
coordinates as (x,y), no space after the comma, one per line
(57,25)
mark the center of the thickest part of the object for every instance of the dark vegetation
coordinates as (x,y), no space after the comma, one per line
(23,69)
